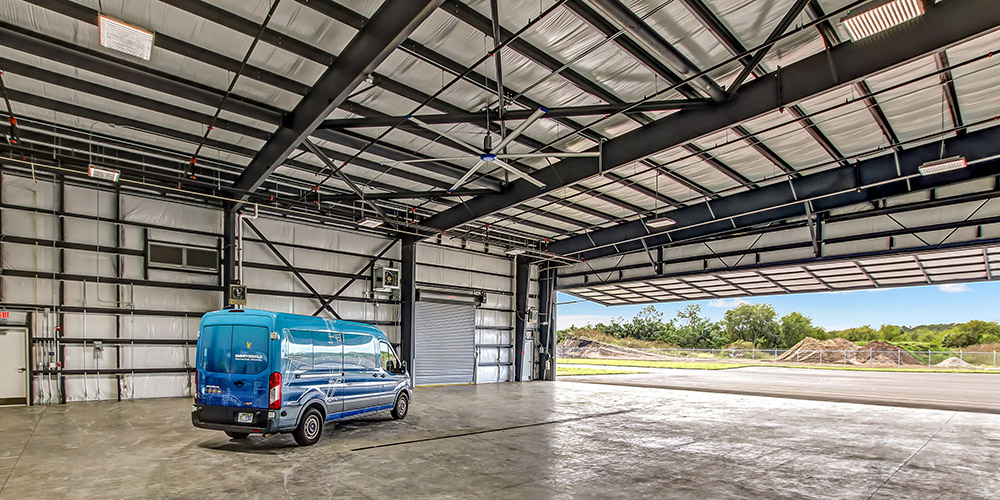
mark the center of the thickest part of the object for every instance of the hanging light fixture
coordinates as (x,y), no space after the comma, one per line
(943,165)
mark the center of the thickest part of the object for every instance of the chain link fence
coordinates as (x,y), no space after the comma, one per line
(847,357)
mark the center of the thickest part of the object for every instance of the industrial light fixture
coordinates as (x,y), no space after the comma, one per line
(660,222)
(370,222)
(515,251)
(943,165)
(119,36)
(881,15)
(107,174)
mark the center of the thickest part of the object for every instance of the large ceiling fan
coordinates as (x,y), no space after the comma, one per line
(492,154)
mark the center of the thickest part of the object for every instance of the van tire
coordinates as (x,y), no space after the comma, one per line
(310,428)
(401,407)
(238,435)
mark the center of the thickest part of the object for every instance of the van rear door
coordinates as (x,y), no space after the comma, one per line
(234,361)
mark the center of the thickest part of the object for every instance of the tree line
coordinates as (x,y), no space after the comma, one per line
(758,325)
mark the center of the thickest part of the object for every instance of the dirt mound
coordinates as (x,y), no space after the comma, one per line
(884,352)
(582,347)
(810,350)
(954,362)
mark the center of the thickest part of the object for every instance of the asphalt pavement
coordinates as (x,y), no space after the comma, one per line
(976,392)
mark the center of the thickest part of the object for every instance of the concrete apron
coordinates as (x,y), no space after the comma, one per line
(559,440)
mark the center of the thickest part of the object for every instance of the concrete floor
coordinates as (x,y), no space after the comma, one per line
(941,391)
(562,440)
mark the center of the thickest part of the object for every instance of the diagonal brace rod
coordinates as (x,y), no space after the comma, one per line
(290,267)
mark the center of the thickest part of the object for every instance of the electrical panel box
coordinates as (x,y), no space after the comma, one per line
(385,279)
(531,315)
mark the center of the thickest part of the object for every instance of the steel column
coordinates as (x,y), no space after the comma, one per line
(522,272)
(407,304)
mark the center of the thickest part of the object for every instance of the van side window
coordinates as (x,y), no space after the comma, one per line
(300,350)
(388,357)
(359,352)
(327,351)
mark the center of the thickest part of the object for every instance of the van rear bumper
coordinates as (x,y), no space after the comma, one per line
(223,418)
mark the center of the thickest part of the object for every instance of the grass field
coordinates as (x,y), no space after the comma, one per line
(692,365)
(563,371)
(697,365)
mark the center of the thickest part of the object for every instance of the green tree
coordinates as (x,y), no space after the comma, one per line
(973,332)
(755,323)
(692,330)
(891,333)
(795,326)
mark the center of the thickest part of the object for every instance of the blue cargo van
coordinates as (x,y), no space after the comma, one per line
(268,373)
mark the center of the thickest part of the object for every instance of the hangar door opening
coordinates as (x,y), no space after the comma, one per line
(445,345)
(13,366)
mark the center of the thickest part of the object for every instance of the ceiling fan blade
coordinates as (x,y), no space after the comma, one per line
(466,176)
(472,149)
(425,160)
(517,173)
(588,154)
(521,128)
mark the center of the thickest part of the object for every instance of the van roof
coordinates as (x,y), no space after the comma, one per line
(290,321)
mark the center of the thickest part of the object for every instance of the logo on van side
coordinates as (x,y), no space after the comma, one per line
(248,345)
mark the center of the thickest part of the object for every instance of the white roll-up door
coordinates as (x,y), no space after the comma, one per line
(445,346)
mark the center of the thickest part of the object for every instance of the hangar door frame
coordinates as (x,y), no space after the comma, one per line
(445,343)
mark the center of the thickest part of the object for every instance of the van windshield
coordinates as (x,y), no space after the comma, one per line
(239,349)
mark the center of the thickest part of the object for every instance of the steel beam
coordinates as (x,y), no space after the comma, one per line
(57,50)
(950,95)
(829,189)
(643,34)
(391,24)
(779,30)
(479,118)
(877,114)
(943,25)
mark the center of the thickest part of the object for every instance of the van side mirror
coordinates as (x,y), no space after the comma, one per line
(401,368)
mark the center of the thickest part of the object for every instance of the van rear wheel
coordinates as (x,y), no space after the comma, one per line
(310,428)
(401,407)
(238,435)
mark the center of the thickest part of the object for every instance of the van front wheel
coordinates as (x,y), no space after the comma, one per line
(310,428)
(400,408)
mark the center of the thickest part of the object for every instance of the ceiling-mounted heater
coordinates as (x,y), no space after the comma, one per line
(473,299)
(385,279)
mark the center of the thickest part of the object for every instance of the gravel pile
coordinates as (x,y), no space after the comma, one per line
(954,362)
(879,352)
(810,350)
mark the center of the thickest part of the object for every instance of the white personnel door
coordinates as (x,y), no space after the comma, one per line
(13,366)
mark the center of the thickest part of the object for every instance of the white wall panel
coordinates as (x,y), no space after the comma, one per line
(171,214)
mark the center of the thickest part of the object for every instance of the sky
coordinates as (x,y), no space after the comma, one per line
(910,306)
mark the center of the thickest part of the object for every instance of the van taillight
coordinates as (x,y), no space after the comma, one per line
(274,393)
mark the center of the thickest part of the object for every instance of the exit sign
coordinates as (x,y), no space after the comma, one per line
(4,314)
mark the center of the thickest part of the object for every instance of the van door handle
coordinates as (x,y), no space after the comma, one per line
(383,375)
(22,370)
(239,383)
(374,375)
